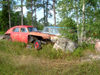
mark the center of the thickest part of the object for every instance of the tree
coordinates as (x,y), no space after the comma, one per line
(29,5)
(33,6)
(82,11)
(11,3)
(4,16)
(46,17)
(21,12)
(9,14)
(68,28)
(83,23)
(54,12)
(30,18)
(47,6)
(44,11)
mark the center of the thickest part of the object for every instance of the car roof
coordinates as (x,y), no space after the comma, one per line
(23,26)
(57,27)
(53,27)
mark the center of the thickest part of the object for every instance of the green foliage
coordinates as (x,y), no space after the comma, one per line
(93,30)
(79,52)
(4,17)
(40,26)
(73,9)
(69,28)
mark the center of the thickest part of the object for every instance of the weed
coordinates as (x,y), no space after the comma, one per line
(16,59)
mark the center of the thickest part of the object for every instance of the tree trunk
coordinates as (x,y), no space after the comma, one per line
(54,12)
(32,13)
(77,17)
(21,12)
(77,22)
(44,11)
(83,21)
(35,12)
(9,14)
(80,34)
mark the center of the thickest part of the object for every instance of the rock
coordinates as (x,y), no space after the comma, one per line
(65,45)
(1,37)
(97,46)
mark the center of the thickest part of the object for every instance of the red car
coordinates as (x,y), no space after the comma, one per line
(27,34)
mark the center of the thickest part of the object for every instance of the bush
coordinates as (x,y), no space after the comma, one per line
(84,47)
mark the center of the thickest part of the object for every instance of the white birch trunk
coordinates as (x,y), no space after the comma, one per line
(78,35)
(83,21)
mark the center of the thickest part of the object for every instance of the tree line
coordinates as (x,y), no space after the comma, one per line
(9,18)
(82,15)
(85,13)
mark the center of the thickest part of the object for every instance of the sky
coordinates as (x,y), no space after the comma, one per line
(39,14)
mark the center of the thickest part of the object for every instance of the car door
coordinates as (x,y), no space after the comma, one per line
(23,35)
(15,34)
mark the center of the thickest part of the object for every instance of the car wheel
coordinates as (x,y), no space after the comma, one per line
(37,44)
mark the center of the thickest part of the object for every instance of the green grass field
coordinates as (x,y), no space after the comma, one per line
(16,59)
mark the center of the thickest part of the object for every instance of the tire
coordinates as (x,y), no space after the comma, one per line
(37,44)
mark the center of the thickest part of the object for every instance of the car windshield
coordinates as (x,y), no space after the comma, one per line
(54,30)
(31,29)
(50,30)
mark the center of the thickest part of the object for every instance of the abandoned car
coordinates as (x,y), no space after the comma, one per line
(28,34)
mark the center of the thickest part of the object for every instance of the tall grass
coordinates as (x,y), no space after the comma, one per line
(90,68)
(16,59)
(17,48)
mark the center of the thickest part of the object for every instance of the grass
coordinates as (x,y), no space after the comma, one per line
(2,32)
(16,59)
(90,68)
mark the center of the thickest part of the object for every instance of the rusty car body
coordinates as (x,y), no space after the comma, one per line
(28,34)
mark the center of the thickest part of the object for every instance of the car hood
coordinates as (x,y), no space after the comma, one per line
(43,35)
